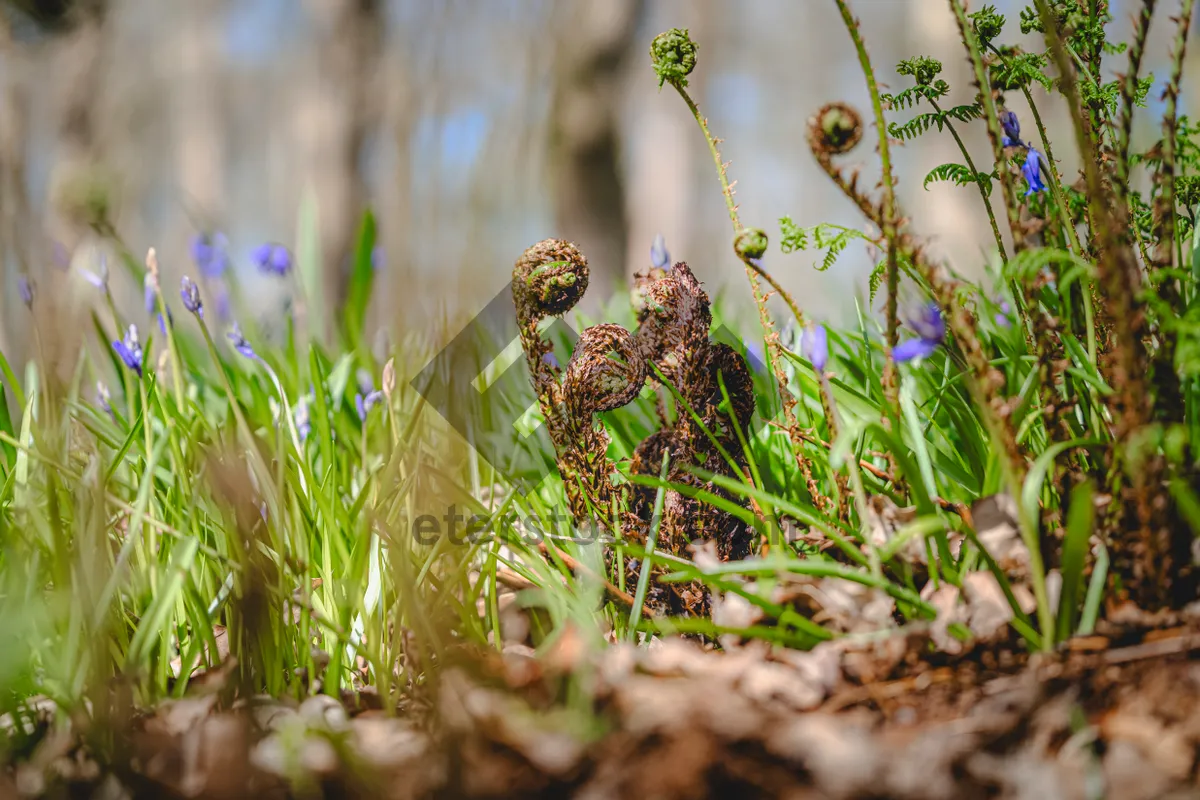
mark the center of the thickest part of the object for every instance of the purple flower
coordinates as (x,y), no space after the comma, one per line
(224,304)
(162,323)
(130,350)
(210,252)
(1033,172)
(240,344)
(272,258)
(366,381)
(190,293)
(1012,129)
(364,404)
(103,397)
(99,279)
(377,258)
(550,359)
(814,342)
(1002,316)
(150,292)
(931,332)
(25,289)
(659,256)
(301,418)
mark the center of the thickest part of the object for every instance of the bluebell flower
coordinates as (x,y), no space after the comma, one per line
(240,344)
(1012,129)
(25,289)
(366,381)
(377,258)
(302,420)
(931,332)
(99,278)
(211,254)
(659,256)
(104,398)
(130,350)
(364,403)
(272,258)
(162,323)
(814,343)
(1002,315)
(224,302)
(1033,172)
(550,359)
(150,292)
(190,293)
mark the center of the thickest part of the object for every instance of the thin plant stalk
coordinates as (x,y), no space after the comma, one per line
(987,201)
(889,182)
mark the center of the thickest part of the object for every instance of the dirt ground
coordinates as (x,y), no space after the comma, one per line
(1115,716)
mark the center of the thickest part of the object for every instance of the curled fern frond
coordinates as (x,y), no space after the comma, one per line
(988,24)
(923,69)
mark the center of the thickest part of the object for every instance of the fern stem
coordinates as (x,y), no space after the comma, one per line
(993,121)
(1060,197)
(1165,203)
(987,201)
(889,182)
(753,271)
(1137,556)
(1056,177)
(722,174)
(1141,28)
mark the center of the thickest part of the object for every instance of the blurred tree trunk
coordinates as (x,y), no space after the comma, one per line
(345,107)
(78,70)
(585,137)
(14,202)
(200,119)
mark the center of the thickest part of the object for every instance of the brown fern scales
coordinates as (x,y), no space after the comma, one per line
(607,370)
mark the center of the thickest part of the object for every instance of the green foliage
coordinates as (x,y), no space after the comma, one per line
(909,97)
(362,277)
(923,69)
(833,239)
(1108,94)
(922,123)
(1017,70)
(988,24)
(247,499)
(960,174)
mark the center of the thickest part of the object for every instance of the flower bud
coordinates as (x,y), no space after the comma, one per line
(190,293)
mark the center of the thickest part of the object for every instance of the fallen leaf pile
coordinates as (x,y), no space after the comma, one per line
(672,719)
